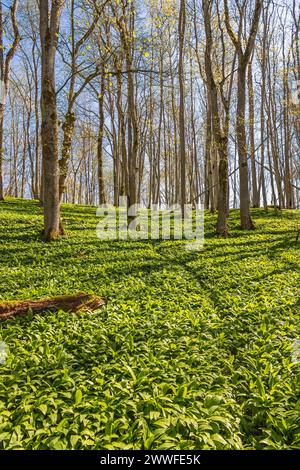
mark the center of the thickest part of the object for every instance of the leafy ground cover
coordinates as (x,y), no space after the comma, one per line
(194,350)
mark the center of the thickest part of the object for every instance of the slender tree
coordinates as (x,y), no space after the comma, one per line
(50,13)
(181,76)
(5,69)
(244,56)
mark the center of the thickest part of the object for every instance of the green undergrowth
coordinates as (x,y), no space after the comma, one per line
(194,350)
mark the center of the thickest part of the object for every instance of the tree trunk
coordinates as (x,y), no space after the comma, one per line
(244,57)
(102,199)
(220,135)
(49,31)
(245,216)
(5,64)
(182,130)
(68,131)
(222,227)
(1,151)
(255,191)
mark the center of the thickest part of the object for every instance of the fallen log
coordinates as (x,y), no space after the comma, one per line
(68,303)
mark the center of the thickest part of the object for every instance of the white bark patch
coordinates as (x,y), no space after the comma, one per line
(2,92)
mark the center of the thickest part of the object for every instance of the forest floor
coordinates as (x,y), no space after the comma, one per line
(194,350)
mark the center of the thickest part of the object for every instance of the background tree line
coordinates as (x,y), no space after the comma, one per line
(163,101)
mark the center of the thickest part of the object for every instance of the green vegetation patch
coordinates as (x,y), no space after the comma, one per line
(194,350)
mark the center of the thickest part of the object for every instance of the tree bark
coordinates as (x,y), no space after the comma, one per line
(101,187)
(243,59)
(245,216)
(5,66)
(255,191)
(182,149)
(49,30)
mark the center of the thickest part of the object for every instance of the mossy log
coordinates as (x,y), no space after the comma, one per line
(68,303)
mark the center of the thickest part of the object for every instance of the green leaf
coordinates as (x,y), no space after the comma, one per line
(43,408)
(78,397)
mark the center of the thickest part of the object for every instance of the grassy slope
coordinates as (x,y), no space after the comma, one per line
(192,351)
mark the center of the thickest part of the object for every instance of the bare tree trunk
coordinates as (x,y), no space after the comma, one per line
(289,190)
(102,198)
(49,29)
(244,58)
(208,145)
(1,151)
(122,136)
(182,28)
(262,181)
(37,175)
(255,191)
(220,134)
(246,221)
(5,64)
(24,151)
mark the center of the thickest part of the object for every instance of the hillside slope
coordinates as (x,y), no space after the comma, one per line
(193,351)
